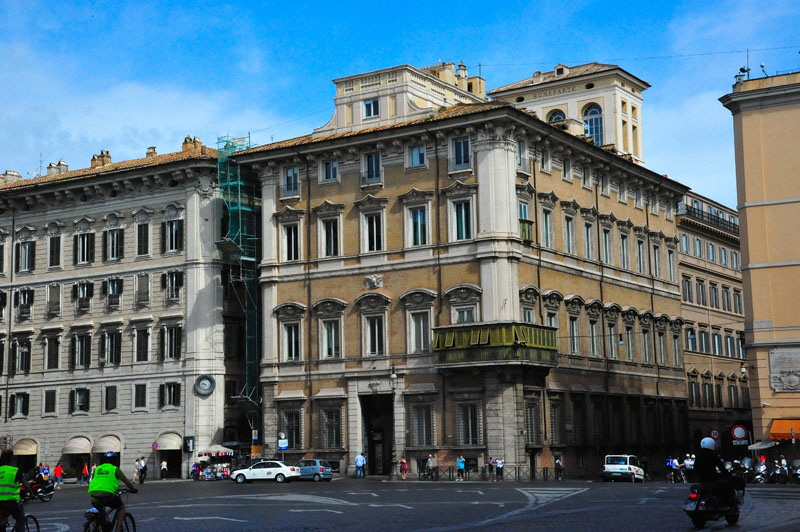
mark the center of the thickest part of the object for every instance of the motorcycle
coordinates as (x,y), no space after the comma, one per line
(760,475)
(796,475)
(778,474)
(702,505)
(41,489)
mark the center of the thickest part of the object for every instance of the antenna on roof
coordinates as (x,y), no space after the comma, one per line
(764,71)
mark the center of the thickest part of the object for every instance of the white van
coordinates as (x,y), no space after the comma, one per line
(622,467)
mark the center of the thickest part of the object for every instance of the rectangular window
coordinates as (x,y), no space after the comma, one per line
(730,346)
(629,345)
(691,339)
(656,261)
(372,108)
(646,346)
(547,228)
(81,350)
(716,339)
(556,423)
(373,232)
(169,394)
(330,229)
(704,343)
(607,246)
(737,302)
(53,351)
(419,226)
(416,156)
(172,284)
(593,339)
(140,396)
(372,169)
(723,256)
(624,252)
(26,257)
(726,299)
(684,243)
(467,424)
(332,427)
(79,400)
(290,424)
(676,351)
(687,289)
(545,160)
(586,178)
(331,339)
(171,339)
(567,164)
(112,288)
(533,423)
(53,299)
(640,256)
(110,399)
(612,341)
(461,153)
(713,295)
(290,185)
(142,289)
(735,260)
(142,239)
(421,425)
(291,239)
(528,315)
(671,265)
(701,293)
(54,252)
(375,335)
(113,244)
(291,342)
(420,331)
(111,345)
(711,256)
(20,360)
(172,236)
(698,248)
(574,336)
(50,402)
(330,171)
(569,234)
(83,250)
(587,240)
(463,220)
(662,350)
(465,314)
(18,404)
(142,344)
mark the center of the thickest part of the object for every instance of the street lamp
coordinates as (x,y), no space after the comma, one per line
(393,384)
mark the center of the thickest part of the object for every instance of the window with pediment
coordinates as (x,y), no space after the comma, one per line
(290,318)
(329,312)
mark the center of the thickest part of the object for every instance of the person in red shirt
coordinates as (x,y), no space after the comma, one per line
(58,472)
(84,473)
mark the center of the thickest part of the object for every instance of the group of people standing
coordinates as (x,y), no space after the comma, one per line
(494,469)
(140,470)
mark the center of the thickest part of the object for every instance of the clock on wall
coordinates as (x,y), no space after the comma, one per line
(204,385)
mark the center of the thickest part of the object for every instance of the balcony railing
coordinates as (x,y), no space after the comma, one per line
(371,178)
(24,311)
(525,230)
(712,219)
(495,342)
(457,164)
(113,301)
(53,308)
(290,190)
(84,304)
(142,298)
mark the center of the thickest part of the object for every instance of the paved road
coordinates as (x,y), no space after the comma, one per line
(356,505)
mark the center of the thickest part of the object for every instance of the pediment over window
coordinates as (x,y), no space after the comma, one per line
(574,303)
(552,299)
(330,306)
(525,190)
(528,294)
(416,195)
(612,310)
(459,189)
(418,298)
(328,208)
(570,206)
(371,301)
(53,228)
(26,232)
(594,308)
(607,220)
(289,310)
(548,199)
(464,293)
(173,210)
(288,214)
(624,226)
(142,215)
(370,202)
(113,219)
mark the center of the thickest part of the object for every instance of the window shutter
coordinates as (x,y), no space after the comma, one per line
(88,397)
(91,247)
(12,401)
(88,358)
(163,237)
(72,352)
(90,290)
(103,340)
(104,288)
(16,299)
(3,299)
(32,258)
(16,257)
(105,246)
(25,404)
(179,235)
(12,360)
(71,401)
(121,244)
(75,249)
(161,353)
(31,293)
(26,361)
(179,335)
(75,291)
(161,389)
(163,281)
(179,280)
(177,394)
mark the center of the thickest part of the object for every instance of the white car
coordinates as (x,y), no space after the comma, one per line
(266,470)
(622,467)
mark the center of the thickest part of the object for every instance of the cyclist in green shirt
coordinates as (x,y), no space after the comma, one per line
(104,485)
(10,481)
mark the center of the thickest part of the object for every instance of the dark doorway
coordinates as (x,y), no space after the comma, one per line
(174,459)
(378,431)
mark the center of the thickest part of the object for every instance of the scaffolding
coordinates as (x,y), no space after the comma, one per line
(241,249)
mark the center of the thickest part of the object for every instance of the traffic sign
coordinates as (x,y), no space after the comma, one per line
(715,434)
(739,432)
(155,446)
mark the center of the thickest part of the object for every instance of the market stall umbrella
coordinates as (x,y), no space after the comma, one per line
(762,445)
(217,449)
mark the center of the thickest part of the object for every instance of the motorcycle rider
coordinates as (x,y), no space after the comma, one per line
(706,466)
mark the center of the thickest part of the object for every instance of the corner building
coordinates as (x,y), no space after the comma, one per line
(453,276)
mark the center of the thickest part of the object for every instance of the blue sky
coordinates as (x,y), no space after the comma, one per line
(79,77)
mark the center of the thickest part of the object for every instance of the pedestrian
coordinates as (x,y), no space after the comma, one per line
(163,469)
(58,472)
(688,463)
(500,464)
(490,469)
(361,461)
(429,467)
(142,470)
(91,474)
(403,467)
(460,463)
(559,469)
(84,473)
(46,472)
(136,468)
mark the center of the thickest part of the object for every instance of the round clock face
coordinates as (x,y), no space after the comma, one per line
(204,385)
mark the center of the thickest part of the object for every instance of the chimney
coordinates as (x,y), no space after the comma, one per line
(52,169)
(462,71)
(102,159)
(151,152)
(57,168)
(197,143)
(537,77)
(10,176)
(187,143)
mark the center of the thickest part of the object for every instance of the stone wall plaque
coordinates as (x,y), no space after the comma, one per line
(784,369)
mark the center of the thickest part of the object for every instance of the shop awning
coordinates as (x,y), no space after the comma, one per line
(77,445)
(782,429)
(762,445)
(170,442)
(106,444)
(26,447)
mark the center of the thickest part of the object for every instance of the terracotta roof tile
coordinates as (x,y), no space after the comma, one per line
(548,77)
(461,109)
(204,152)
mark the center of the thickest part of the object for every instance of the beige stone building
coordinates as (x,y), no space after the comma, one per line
(766,124)
(709,268)
(113,313)
(459,277)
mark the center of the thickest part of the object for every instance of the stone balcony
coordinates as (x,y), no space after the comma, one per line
(495,343)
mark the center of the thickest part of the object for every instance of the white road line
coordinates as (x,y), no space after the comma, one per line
(479,492)
(209,517)
(381,505)
(322,510)
(362,493)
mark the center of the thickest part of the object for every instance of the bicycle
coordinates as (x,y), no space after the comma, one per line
(31,523)
(97,519)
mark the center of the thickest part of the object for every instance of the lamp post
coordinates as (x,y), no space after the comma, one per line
(393,384)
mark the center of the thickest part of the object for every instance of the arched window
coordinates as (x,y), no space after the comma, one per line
(593,123)
(556,116)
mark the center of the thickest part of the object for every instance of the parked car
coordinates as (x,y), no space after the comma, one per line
(622,467)
(313,469)
(266,470)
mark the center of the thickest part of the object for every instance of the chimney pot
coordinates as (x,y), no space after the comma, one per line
(151,152)
(10,176)
(188,144)
(197,143)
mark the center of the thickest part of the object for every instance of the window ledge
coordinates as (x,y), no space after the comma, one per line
(140,409)
(110,412)
(170,408)
(78,413)
(19,416)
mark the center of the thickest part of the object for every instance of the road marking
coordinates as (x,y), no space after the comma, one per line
(209,517)
(660,491)
(362,493)
(322,510)
(479,492)
(299,497)
(644,500)
(500,504)
(380,505)
(543,496)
